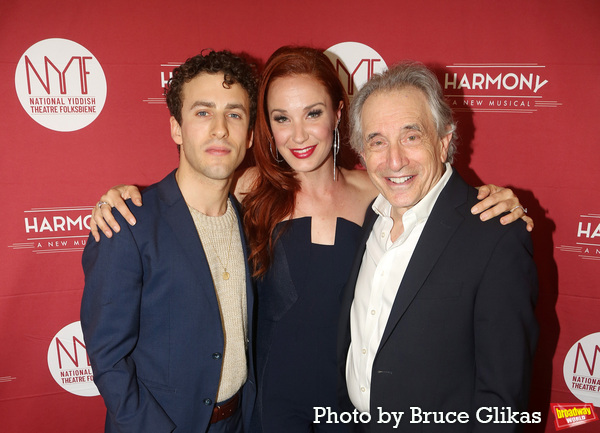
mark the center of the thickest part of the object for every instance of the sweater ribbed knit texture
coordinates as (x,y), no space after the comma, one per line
(222,245)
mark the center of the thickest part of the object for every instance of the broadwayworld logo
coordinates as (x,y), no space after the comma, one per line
(568,415)
(494,88)
(55,230)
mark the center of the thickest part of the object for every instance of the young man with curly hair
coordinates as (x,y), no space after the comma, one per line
(167,304)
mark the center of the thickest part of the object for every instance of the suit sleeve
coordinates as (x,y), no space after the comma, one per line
(110,313)
(506,330)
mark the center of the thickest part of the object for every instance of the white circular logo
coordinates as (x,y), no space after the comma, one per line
(355,63)
(60,85)
(581,369)
(68,362)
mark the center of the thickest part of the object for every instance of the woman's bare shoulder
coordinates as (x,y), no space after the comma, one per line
(360,182)
(358,193)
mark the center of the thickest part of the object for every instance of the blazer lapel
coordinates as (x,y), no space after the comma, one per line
(441,225)
(177,215)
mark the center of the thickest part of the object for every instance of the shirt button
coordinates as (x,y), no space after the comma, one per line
(216,355)
(207,401)
(364,351)
(372,312)
(382,235)
(362,389)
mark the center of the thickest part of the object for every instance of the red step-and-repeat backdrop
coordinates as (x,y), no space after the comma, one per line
(82,109)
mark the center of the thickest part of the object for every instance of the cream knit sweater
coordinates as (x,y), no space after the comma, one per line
(222,245)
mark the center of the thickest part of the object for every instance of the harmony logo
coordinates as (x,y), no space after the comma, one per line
(568,415)
(494,88)
(55,230)
(166,72)
(580,370)
(60,85)
(355,63)
(4,379)
(69,364)
(587,246)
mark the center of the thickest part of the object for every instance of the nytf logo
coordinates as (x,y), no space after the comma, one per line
(69,363)
(60,84)
(495,87)
(581,369)
(355,63)
(587,233)
(55,230)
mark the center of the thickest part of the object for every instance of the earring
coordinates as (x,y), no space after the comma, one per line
(276,158)
(336,149)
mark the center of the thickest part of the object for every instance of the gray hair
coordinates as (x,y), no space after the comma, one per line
(397,77)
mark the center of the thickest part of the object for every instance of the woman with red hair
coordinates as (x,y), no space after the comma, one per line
(303,216)
(304,205)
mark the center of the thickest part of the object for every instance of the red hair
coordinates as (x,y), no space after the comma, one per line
(273,194)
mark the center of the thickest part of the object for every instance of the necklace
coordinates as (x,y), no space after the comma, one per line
(224,266)
(225,275)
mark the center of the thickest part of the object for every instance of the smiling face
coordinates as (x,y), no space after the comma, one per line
(403,154)
(302,119)
(214,132)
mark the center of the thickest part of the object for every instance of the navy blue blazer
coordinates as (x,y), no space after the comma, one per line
(462,333)
(151,320)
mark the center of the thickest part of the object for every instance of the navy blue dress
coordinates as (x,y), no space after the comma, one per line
(297,319)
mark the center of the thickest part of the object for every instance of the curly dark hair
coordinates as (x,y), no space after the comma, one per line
(234,68)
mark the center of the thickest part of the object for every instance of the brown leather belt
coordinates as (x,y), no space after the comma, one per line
(225,410)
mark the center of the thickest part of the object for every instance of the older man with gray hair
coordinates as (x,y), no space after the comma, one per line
(437,330)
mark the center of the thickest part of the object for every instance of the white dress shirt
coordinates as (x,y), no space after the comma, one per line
(383,266)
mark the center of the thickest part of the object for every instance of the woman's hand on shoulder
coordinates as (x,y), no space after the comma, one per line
(102,218)
(496,200)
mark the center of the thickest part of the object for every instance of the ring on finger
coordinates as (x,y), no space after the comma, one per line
(101,203)
(517,207)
